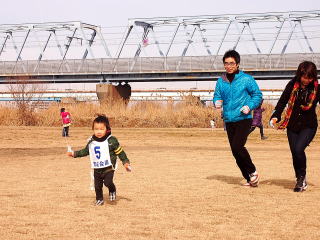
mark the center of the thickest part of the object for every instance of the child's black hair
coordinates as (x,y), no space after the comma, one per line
(62,109)
(101,118)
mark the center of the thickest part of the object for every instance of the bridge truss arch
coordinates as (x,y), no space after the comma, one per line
(183,44)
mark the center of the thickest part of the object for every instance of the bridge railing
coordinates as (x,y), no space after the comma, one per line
(153,64)
(137,95)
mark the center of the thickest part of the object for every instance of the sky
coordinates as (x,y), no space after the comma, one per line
(106,13)
(116,13)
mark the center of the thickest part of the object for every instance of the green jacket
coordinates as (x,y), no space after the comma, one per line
(114,149)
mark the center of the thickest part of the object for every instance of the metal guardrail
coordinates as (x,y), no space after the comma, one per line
(137,95)
(155,64)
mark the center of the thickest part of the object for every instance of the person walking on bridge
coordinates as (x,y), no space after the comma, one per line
(238,94)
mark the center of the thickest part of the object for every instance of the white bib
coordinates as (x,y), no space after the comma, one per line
(99,154)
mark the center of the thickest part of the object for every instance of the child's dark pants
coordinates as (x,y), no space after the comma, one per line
(65,131)
(103,176)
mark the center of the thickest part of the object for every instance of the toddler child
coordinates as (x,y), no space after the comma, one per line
(103,149)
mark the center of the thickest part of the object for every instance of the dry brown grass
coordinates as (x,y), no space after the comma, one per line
(145,114)
(184,185)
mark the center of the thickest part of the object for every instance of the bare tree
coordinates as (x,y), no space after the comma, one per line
(27,97)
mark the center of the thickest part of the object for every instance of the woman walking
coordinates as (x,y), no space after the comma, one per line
(302,95)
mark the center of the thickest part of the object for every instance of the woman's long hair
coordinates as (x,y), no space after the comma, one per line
(307,69)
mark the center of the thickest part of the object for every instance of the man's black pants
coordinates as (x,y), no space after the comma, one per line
(237,134)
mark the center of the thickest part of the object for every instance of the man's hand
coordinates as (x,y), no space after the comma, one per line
(218,104)
(245,109)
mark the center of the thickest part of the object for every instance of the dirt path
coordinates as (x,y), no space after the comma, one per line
(185,185)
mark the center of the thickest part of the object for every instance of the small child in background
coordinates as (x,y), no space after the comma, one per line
(103,149)
(257,120)
(66,121)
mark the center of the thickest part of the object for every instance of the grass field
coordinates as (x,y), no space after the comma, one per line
(184,185)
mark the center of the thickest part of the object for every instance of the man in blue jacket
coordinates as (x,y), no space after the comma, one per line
(238,94)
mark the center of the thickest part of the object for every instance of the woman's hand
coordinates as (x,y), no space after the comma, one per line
(273,122)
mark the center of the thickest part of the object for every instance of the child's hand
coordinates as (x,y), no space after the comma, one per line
(70,154)
(128,167)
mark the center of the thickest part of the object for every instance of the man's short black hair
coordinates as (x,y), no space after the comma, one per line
(233,54)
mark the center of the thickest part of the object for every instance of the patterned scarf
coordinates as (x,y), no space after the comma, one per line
(292,99)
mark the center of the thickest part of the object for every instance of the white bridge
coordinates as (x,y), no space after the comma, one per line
(187,48)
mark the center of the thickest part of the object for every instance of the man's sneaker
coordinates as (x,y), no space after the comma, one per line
(112,196)
(99,202)
(264,137)
(301,184)
(246,184)
(254,179)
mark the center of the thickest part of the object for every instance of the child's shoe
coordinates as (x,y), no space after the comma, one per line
(99,202)
(112,196)
(264,137)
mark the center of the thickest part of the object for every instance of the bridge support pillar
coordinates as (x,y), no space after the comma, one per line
(108,93)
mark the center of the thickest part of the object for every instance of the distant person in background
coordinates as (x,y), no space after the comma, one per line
(257,120)
(301,95)
(127,92)
(66,121)
(238,93)
(124,91)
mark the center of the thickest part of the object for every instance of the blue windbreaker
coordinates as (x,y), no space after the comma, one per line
(243,90)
